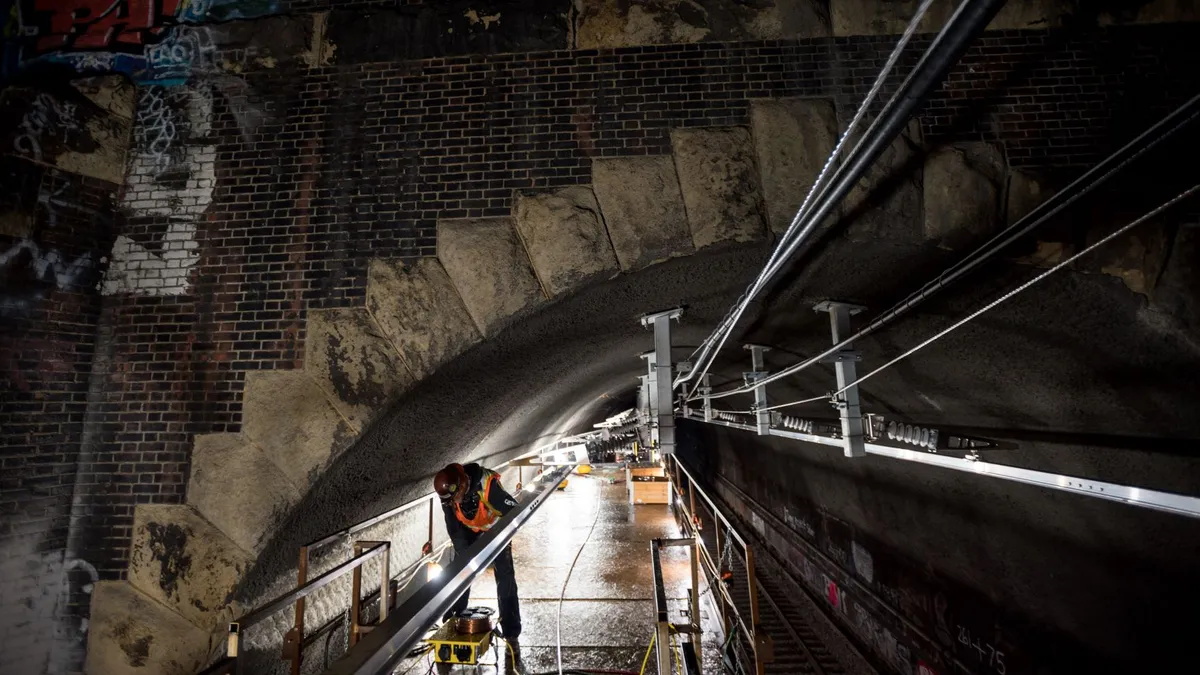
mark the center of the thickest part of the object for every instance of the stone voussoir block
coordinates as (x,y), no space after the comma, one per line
(287,415)
(719,183)
(183,561)
(643,209)
(237,488)
(565,236)
(419,309)
(490,268)
(350,357)
(793,138)
(130,633)
(964,186)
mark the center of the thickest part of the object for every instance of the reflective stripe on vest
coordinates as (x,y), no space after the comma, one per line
(485,515)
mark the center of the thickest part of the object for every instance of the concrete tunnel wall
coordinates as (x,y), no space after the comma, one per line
(244,270)
(951,569)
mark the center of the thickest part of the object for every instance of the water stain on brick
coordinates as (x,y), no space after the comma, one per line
(168,545)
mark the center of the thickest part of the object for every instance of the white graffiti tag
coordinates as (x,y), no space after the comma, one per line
(46,116)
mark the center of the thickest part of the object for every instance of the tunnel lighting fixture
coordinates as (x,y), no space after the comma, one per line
(432,571)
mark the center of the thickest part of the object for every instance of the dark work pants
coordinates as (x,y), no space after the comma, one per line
(506,591)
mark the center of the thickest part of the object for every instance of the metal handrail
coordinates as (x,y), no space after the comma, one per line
(757,639)
(712,506)
(712,567)
(311,587)
(387,644)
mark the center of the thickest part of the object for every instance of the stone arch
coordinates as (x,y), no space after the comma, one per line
(719,187)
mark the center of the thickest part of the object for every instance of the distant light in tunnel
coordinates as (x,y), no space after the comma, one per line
(433,571)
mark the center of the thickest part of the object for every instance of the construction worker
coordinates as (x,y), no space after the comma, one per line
(473,501)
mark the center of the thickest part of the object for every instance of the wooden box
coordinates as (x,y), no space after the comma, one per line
(650,492)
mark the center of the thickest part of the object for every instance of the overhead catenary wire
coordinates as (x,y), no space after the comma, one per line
(993,304)
(735,313)
(1081,186)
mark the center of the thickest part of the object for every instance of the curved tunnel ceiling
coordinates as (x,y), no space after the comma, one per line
(1087,375)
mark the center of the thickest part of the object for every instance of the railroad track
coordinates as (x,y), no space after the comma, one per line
(799,649)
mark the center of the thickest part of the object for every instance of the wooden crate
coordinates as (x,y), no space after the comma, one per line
(650,492)
(647,471)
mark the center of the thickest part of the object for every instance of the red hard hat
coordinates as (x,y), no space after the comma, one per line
(450,481)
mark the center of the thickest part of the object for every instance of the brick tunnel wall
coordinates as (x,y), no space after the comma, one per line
(359,162)
(290,178)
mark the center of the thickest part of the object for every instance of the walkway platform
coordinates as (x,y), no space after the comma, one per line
(584,573)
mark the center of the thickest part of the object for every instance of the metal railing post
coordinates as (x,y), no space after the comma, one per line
(696,634)
(355,593)
(385,583)
(430,539)
(293,641)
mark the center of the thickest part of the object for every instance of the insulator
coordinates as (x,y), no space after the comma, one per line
(891,431)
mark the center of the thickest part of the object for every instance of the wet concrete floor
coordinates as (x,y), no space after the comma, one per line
(586,583)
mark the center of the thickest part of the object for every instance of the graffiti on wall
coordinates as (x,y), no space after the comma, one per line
(171,177)
(151,41)
(30,272)
(47,116)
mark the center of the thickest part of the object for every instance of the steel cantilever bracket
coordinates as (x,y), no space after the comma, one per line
(661,397)
(762,416)
(845,366)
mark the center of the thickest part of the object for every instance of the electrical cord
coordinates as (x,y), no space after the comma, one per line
(973,315)
(649,648)
(790,236)
(562,595)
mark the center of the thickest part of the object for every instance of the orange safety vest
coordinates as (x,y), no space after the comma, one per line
(485,515)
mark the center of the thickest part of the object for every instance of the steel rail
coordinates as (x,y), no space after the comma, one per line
(1157,500)
(388,643)
(970,18)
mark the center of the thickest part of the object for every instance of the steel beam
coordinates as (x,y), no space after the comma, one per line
(661,393)
(844,364)
(1183,505)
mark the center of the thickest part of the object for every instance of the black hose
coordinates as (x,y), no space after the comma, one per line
(968,21)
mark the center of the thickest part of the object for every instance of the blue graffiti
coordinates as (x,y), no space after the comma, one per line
(165,45)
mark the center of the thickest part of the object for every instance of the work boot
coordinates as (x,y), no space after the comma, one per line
(513,665)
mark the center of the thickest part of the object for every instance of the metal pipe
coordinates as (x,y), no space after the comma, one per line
(390,641)
(1078,188)
(969,19)
(1183,505)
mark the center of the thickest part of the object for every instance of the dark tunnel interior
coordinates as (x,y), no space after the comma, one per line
(268,266)
(1084,376)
